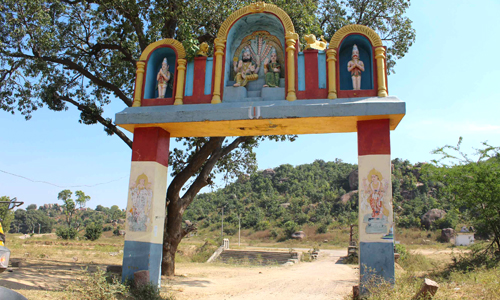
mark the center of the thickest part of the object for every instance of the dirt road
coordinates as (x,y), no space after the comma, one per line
(324,278)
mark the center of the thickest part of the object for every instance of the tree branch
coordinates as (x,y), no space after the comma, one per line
(98,47)
(202,179)
(106,123)
(194,165)
(74,66)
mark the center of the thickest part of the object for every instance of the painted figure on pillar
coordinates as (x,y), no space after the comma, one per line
(245,70)
(163,79)
(355,66)
(272,70)
(374,191)
(142,196)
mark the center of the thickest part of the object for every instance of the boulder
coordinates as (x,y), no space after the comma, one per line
(141,278)
(298,235)
(347,197)
(121,221)
(447,234)
(431,216)
(353,180)
(121,232)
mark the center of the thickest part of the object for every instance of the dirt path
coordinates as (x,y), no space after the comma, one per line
(321,279)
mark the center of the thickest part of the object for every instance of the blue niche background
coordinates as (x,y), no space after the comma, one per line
(154,66)
(365,55)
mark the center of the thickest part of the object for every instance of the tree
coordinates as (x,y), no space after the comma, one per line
(5,214)
(68,206)
(31,207)
(473,183)
(82,53)
(81,198)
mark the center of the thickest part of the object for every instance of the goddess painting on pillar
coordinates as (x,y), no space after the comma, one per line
(272,70)
(374,190)
(355,66)
(163,79)
(245,70)
(141,195)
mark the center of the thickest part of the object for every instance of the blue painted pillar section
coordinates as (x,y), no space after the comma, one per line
(301,72)
(208,76)
(145,215)
(376,225)
(322,69)
(142,256)
(189,78)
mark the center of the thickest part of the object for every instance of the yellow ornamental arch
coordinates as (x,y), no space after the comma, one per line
(181,69)
(290,39)
(376,42)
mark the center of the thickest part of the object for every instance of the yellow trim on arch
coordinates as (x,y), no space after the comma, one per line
(255,8)
(346,30)
(181,67)
(181,52)
(380,57)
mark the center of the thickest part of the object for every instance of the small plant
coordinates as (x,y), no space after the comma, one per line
(146,291)
(66,233)
(93,231)
(116,232)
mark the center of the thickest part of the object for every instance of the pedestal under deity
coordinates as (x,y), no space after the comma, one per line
(163,78)
(245,70)
(355,66)
(272,70)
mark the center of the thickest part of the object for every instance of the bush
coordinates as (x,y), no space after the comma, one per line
(289,228)
(93,231)
(323,228)
(146,291)
(262,225)
(66,233)
(107,228)
(117,231)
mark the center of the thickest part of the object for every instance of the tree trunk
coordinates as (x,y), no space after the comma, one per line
(172,237)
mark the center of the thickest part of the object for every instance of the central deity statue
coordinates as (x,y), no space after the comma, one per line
(355,66)
(163,78)
(245,70)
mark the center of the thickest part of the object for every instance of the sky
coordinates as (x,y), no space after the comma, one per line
(449,80)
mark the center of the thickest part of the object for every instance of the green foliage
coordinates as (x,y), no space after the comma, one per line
(93,231)
(81,198)
(31,207)
(5,214)
(322,228)
(146,291)
(67,233)
(116,232)
(401,249)
(480,256)
(31,221)
(474,184)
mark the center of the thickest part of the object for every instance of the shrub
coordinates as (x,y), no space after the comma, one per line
(146,291)
(93,231)
(66,233)
(107,228)
(290,227)
(262,225)
(323,228)
(117,231)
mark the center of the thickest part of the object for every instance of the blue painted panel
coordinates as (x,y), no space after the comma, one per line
(322,69)
(376,259)
(365,55)
(138,256)
(301,71)
(208,75)
(189,78)
(153,66)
